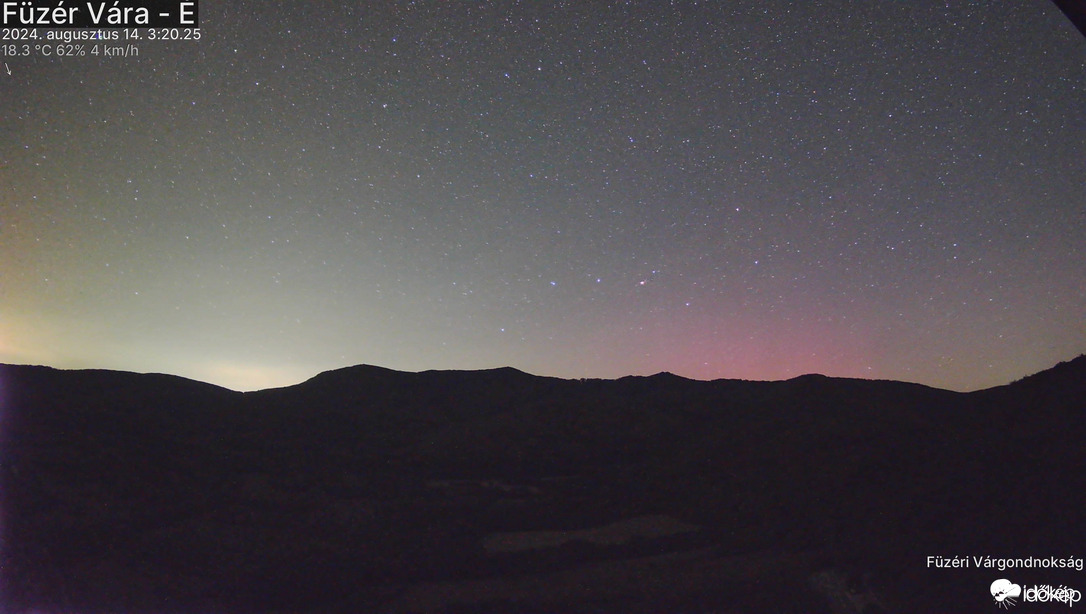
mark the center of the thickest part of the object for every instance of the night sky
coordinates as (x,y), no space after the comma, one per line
(756,190)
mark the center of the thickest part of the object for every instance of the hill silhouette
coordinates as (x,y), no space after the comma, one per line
(367,489)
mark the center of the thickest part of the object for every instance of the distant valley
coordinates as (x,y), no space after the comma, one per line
(371,490)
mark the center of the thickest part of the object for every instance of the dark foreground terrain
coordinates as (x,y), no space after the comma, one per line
(369,490)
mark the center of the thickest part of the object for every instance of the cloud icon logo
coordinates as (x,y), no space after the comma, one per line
(1005,592)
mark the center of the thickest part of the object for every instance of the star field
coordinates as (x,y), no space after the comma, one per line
(721,190)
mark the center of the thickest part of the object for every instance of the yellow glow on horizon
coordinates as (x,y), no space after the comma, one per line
(248,376)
